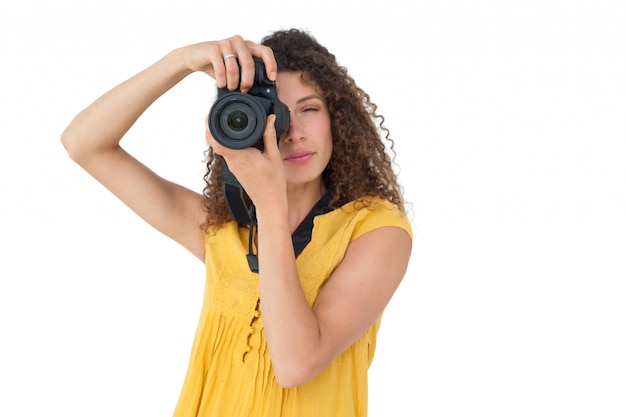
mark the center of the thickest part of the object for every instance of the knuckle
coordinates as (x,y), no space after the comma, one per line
(237,38)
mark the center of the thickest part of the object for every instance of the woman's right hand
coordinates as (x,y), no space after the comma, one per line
(93,137)
(221,60)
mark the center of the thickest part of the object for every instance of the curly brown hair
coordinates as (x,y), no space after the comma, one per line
(360,166)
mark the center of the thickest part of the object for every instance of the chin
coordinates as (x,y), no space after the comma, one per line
(303,179)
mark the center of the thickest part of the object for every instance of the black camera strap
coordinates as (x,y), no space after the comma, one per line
(241,212)
(246,214)
(233,193)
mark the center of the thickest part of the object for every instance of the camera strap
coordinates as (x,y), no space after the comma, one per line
(233,193)
(241,212)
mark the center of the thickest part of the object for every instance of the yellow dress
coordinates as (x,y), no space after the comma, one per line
(230,373)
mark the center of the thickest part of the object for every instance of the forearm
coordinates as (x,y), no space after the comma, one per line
(291,328)
(101,126)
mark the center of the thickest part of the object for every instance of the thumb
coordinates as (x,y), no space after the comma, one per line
(270,142)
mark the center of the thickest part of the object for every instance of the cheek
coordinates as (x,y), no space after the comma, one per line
(328,148)
(328,141)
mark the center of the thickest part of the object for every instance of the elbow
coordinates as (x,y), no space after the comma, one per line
(70,144)
(295,373)
(291,379)
(77,146)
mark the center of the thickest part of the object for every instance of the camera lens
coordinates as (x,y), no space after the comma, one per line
(237,120)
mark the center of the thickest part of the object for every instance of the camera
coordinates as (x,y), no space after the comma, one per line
(237,120)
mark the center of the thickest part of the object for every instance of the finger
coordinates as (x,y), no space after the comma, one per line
(267,55)
(236,56)
(224,59)
(210,140)
(219,68)
(246,65)
(232,70)
(270,143)
(246,62)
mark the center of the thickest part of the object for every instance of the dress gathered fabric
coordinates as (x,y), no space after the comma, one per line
(230,373)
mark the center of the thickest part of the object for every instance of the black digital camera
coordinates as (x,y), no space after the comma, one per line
(237,120)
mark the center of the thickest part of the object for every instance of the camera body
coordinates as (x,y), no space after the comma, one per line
(237,120)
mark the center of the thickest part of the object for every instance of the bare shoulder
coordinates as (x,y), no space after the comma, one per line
(377,260)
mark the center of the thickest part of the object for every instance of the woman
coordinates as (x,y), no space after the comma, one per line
(332,238)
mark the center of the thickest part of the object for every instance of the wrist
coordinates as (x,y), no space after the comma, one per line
(178,58)
(274,215)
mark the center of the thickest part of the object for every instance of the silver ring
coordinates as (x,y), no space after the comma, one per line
(229,56)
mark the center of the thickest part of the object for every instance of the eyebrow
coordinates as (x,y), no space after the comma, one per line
(311,97)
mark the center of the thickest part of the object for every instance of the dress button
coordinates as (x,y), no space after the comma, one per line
(256,313)
(248,348)
(251,330)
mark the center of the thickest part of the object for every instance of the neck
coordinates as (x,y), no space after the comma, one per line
(301,198)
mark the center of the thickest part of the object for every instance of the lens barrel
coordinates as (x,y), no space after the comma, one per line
(237,120)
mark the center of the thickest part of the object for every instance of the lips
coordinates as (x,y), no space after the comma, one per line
(299,157)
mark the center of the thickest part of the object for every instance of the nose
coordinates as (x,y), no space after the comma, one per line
(293,133)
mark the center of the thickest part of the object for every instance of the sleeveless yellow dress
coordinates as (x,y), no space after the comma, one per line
(230,373)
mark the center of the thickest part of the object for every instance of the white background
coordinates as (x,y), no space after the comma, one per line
(509,120)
